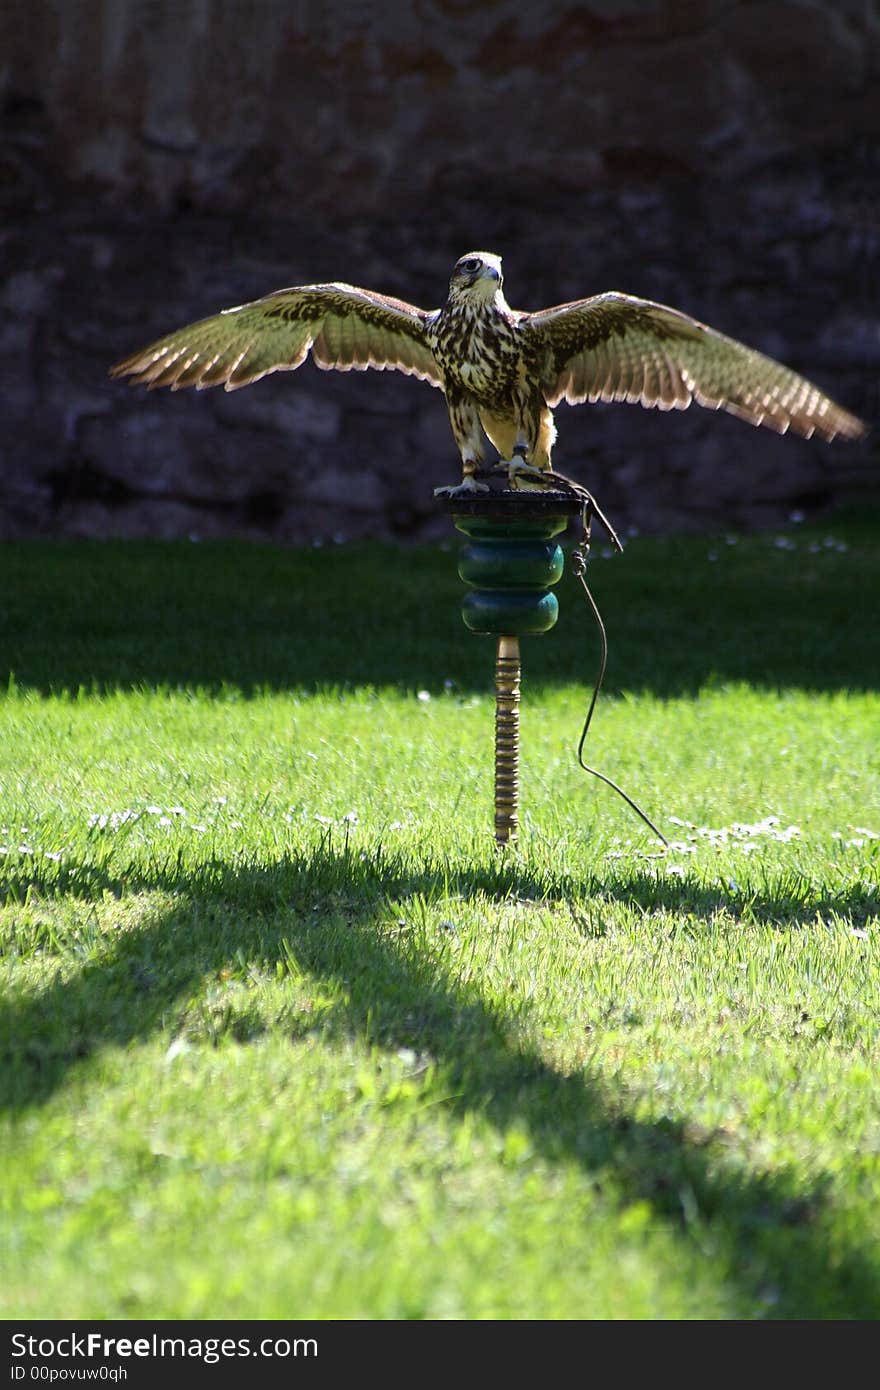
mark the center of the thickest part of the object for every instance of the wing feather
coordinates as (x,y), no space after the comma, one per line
(344,327)
(617,347)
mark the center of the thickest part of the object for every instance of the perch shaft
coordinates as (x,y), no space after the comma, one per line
(507,683)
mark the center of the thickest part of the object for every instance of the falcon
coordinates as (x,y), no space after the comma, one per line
(501,370)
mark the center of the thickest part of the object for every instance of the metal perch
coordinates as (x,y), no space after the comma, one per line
(510,563)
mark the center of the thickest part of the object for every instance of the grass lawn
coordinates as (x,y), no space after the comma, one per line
(283,1035)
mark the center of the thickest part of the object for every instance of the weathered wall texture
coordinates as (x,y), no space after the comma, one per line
(159,160)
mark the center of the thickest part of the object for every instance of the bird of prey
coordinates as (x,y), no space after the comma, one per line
(501,370)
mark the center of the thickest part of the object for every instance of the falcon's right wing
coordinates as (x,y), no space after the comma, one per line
(345,327)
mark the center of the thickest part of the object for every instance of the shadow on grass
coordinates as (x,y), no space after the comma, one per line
(679,613)
(328,914)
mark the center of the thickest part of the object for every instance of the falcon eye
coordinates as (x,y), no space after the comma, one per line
(469,266)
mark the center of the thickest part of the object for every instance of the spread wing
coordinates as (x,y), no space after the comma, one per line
(615,347)
(344,327)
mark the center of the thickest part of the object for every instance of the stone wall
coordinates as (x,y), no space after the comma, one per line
(162,159)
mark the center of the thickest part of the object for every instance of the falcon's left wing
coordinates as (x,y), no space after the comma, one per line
(615,347)
(343,326)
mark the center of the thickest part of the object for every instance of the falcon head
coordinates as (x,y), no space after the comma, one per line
(476,276)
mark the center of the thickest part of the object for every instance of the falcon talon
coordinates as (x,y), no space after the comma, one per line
(466,488)
(517,468)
